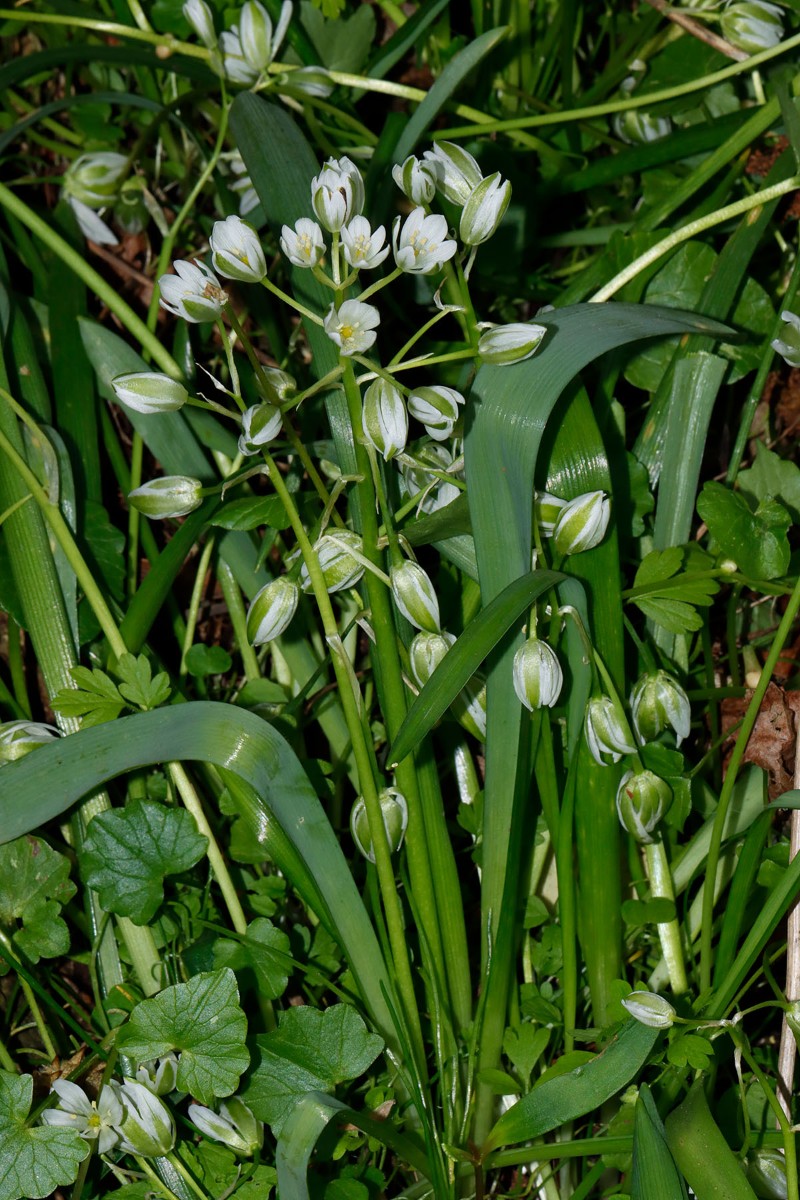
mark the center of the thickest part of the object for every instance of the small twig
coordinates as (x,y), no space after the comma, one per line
(697,30)
(788,1047)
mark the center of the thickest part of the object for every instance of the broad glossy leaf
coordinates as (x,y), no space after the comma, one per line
(33,1161)
(251,512)
(265,950)
(203,1020)
(756,541)
(570,1096)
(655,1176)
(128,853)
(34,884)
(343,44)
(700,1150)
(772,478)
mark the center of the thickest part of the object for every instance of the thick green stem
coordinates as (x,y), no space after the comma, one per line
(661,887)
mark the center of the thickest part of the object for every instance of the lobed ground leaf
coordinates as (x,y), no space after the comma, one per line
(33,1161)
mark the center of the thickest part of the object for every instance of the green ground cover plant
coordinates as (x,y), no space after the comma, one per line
(399,599)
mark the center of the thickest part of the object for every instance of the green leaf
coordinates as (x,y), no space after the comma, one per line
(138,685)
(772,478)
(690,1050)
(207,660)
(251,513)
(128,853)
(96,698)
(342,45)
(669,596)
(570,1096)
(756,541)
(105,548)
(309,1051)
(204,1021)
(265,950)
(648,912)
(705,1159)
(34,884)
(655,1176)
(524,1046)
(33,1161)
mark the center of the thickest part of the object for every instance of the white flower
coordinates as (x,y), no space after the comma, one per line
(94,178)
(201,19)
(89,1118)
(394,811)
(147,1127)
(159,1075)
(607,735)
(352,326)
(308,81)
(234,1125)
(384,418)
(789,345)
(362,247)
(234,64)
(416,180)
(421,245)
(18,738)
(658,702)
(337,193)
(304,245)
(255,35)
(582,523)
(437,408)
(752,25)
(456,171)
(431,462)
(484,210)
(261,424)
(91,225)
(236,250)
(193,292)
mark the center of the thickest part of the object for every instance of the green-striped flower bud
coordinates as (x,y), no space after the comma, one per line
(436,407)
(271,611)
(607,734)
(94,178)
(635,126)
(261,424)
(235,1125)
(426,652)
(650,1009)
(506,344)
(752,25)
(18,738)
(456,171)
(788,346)
(255,35)
(275,386)
(658,702)
(160,1076)
(547,509)
(484,210)
(414,596)
(340,568)
(643,800)
(170,496)
(201,19)
(236,250)
(469,707)
(149,392)
(394,811)
(384,418)
(416,180)
(582,523)
(147,1127)
(537,674)
(766,1174)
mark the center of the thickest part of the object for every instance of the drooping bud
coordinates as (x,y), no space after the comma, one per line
(193,292)
(235,1125)
(385,418)
(340,569)
(752,25)
(648,1008)
(275,386)
(582,523)
(456,171)
(426,652)
(635,126)
(538,677)
(94,178)
(308,81)
(469,707)
(607,734)
(201,19)
(255,35)
(414,596)
(261,424)
(394,811)
(147,1127)
(236,250)
(160,1076)
(658,702)
(271,611)
(789,345)
(484,210)
(415,179)
(18,738)
(547,509)
(149,392)
(506,344)
(643,800)
(437,408)
(766,1174)
(170,496)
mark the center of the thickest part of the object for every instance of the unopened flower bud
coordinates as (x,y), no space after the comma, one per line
(506,344)
(385,418)
(149,392)
(94,178)
(147,1127)
(340,569)
(271,611)
(414,596)
(426,652)
(752,25)
(636,126)
(255,35)
(308,81)
(415,179)
(337,193)
(766,1174)
(582,523)
(201,19)
(537,674)
(394,811)
(547,510)
(18,738)
(469,707)
(235,1125)
(607,734)
(275,386)
(456,171)
(789,345)
(236,250)
(193,292)
(650,1009)
(484,210)
(170,496)
(437,408)
(261,424)
(160,1076)
(658,702)
(643,800)
(235,66)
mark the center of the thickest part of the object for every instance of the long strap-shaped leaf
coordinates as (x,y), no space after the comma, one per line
(44,784)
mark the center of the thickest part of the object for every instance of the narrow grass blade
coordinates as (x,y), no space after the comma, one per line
(655,1176)
(406,38)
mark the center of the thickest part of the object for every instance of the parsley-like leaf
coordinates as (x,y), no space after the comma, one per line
(138,686)
(34,884)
